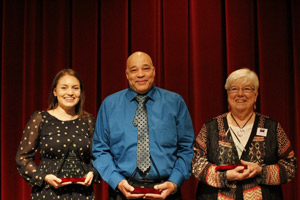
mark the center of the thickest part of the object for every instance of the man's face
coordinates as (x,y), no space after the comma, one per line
(140,72)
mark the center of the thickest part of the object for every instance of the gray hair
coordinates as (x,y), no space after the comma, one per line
(244,74)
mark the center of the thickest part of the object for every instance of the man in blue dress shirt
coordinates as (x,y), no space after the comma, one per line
(171,135)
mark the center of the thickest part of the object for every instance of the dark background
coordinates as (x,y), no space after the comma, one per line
(194,44)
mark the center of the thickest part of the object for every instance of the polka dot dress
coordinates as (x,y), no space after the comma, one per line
(55,138)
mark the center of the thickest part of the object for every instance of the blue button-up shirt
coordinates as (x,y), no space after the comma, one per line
(171,136)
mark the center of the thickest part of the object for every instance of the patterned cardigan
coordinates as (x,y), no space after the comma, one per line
(272,152)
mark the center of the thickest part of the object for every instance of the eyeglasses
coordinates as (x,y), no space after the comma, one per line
(245,90)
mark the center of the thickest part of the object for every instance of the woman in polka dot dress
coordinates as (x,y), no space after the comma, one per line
(64,136)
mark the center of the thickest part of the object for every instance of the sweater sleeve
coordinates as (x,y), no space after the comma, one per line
(284,170)
(204,170)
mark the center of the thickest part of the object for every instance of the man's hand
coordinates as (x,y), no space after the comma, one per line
(126,189)
(165,188)
(54,181)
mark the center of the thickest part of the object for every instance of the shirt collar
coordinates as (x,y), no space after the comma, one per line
(131,94)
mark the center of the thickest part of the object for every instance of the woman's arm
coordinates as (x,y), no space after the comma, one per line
(27,150)
(96,176)
(204,170)
(284,170)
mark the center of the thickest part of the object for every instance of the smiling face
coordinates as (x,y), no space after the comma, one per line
(67,92)
(140,72)
(242,96)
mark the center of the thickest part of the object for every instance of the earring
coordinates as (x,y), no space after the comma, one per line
(254,106)
(229,108)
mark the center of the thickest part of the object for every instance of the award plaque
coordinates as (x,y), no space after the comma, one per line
(73,180)
(141,190)
(227,167)
(143,186)
(72,169)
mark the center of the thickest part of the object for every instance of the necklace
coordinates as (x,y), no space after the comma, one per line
(240,146)
(241,132)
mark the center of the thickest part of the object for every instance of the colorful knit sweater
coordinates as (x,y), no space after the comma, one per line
(273,153)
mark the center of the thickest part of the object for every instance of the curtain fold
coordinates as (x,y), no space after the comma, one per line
(194,45)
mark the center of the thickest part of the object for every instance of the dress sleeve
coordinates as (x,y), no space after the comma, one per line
(91,122)
(27,150)
(284,170)
(204,170)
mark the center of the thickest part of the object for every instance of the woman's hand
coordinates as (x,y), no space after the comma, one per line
(239,173)
(88,179)
(254,168)
(54,181)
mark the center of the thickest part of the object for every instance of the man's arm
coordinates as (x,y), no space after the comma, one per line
(102,158)
(186,139)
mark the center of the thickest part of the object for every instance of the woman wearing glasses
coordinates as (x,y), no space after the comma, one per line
(242,154)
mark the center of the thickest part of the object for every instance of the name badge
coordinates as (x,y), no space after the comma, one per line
(262,132)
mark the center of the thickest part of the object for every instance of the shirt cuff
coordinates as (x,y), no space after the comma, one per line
(175,188)
(176,177)
(115,179)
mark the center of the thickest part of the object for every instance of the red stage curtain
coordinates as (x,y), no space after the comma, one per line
(194,44)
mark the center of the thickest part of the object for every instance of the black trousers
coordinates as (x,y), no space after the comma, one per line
(117,195)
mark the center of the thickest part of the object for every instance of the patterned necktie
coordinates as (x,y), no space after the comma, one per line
(141,121)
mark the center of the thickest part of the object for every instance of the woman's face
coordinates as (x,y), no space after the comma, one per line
(242,96)
(67,92)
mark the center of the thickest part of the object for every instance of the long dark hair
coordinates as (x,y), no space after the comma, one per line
(79,108)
